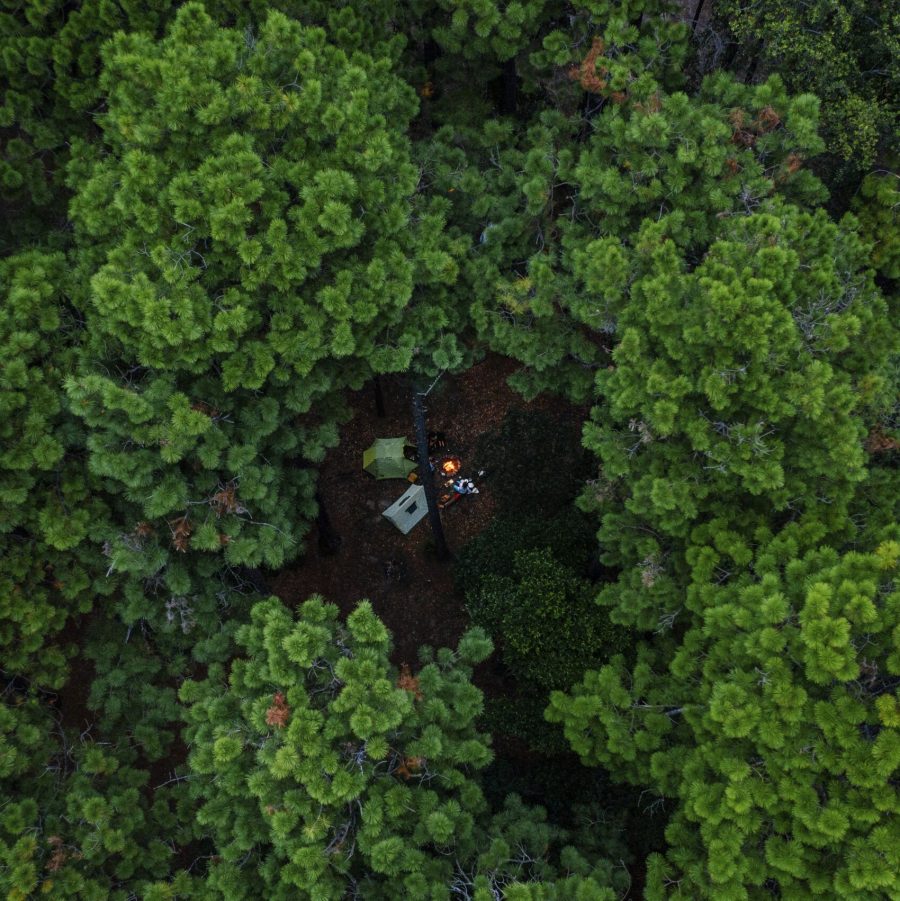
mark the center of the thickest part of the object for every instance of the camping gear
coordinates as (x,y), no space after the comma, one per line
(436,441)
(385,460)
(409,509)
(458,488)
(447,499)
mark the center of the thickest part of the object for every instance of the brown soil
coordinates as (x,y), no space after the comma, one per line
(421,606)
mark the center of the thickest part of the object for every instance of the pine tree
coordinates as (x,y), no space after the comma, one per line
(876,207)
(321,769)
(845,52)
(50,63)
(244,244)
(81,818)
(735,397)
(774,727)
(49,66)
(50,510)
(541,203)
(329,768)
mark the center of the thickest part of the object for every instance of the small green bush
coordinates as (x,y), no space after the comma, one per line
(546,619)
(569,536)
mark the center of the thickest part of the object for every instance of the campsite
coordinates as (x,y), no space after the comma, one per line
(356,502)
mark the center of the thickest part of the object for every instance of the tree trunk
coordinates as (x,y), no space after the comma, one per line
(329,540)
(430,51)
(426,477)
(696,19)
(730,55)
(510,88)
(379,398)
(595,570)
(751,71)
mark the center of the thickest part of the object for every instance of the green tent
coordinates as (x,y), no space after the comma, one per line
(385,460)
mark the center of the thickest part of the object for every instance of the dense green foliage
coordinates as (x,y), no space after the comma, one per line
(196,243)
(774,725)
(846,51)
(323,770)
(220,220)
(734,400)
(552,631)
(540,199)
(48,509)
(878,209)
(87,827)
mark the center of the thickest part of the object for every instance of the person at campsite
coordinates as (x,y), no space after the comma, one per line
(464,486)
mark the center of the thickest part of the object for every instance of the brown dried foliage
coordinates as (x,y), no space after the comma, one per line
(766,120)
(181,533)
(879,443)
(746,134)
(59,854)
(409,766)
(225,501)
(587,74)
(653,104)
(408,682)
(279,713)
(794,163)
(203,407)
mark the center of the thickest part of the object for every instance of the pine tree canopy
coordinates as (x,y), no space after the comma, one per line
(735,397)
(774,725)
(322,769)
(48,509)
(243,257)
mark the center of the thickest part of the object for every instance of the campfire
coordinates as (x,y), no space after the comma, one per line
(450,466)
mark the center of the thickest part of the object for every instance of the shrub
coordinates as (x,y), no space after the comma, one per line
(522,717)
(569,535)
(546,619)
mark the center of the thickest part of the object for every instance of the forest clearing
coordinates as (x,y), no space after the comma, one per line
(416,600)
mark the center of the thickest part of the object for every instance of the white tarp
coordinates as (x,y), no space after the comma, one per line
(408,509)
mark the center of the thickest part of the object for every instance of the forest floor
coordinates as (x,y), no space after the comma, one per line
(410,589)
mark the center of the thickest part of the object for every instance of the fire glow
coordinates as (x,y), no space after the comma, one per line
(450,466)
